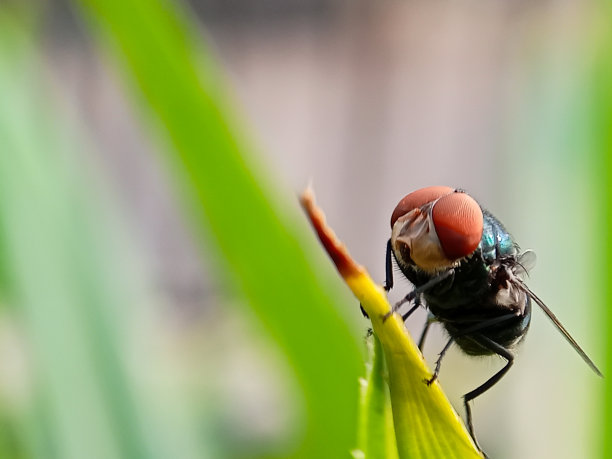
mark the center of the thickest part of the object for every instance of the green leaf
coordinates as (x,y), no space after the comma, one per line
(599,93)
(60,277)
(376,438)
(426,426)
(232,205)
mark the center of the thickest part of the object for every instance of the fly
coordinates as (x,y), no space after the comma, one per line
(468,271)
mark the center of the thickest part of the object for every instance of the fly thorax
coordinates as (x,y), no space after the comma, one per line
(414,240)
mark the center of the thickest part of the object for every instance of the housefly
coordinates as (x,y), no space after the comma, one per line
(468,271)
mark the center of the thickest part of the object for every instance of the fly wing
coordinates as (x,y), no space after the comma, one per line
(560,327)
(526,262)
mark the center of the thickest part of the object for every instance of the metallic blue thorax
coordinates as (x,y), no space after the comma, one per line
(495,242)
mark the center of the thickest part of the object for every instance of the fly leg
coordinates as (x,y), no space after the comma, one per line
(417,305)
(439,362)
(430,320)
(388,285)
(478,327)
(421,289)
(475,333)
(388,267)
(501,351)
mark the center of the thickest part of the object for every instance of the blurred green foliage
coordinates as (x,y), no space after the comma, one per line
(230,203)
(61,279)
(70,289)
(600,105)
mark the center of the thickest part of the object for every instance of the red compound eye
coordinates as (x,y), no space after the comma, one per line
(419,198)
(458,218)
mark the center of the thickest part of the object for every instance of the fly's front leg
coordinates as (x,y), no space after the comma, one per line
(419,290)
(417,305)
(388,285)
(388,267)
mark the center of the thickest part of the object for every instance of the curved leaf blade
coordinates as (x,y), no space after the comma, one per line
(426,425)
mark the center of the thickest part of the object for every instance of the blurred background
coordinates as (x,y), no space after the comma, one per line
(369,101)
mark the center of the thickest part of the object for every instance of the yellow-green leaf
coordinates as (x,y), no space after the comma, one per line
(426,425)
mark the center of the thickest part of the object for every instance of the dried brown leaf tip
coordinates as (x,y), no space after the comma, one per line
(333,246)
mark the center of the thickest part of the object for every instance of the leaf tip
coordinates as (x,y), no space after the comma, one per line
(333,246)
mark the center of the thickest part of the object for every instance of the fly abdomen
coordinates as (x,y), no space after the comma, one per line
(507,333)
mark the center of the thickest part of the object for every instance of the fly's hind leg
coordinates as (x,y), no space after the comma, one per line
(478,337)
(502,352)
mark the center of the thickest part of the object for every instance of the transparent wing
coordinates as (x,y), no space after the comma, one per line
(526,262)
(560,327)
